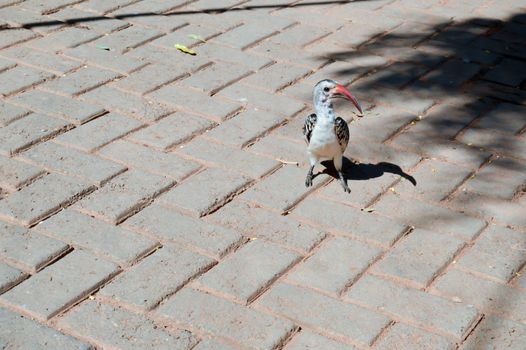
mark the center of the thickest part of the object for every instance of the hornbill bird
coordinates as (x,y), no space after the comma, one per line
(326,135)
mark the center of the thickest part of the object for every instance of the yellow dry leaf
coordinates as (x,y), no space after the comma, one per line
(184,49)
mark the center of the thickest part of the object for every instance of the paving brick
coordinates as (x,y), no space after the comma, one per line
(429,216)
(373,153)
(156,6)
(104,58)
(155,277)
(10,112)
(72,110)
(42,198)
(216,77)
(306,340)
(501,178)
(14,330)
(195,101)
(280,149)
(150,78)
(27,131)
(506,117)
(64,38)
(123,102)
(86,19)
(99,132)
(121,196)
(273,103)
(433,147)
(508,72)
(189,36)
(245,128)
(15,174)
(69,161)
(27,249)
(247,272)
(367,182)
(447,119)
(114,243)
(246,35)
(20,78)
(170,57)
(228,157)
(501,211)
(349,221)
(9,277)
(149,160)
(501,143)
(496,333)
(127,38)
(414,305)
(435,180)
(336,264)
(226,54)
(497,252)
(300,35)
(44,7)
(171,131)
(488,296)
(60,285)
(420,256)
(208,344)
(380,123)
(41,60)
(289,179)
(204,192)
(168,225)
(226,319)
(18,16)
(117,328)
(276,76)
(323,313)
(16,36)
(253,221)
(80,81)
(284,52)
(404,337)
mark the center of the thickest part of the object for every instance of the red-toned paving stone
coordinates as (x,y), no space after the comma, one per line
(164,192)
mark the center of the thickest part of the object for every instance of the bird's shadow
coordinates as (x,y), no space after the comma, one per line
(362,171)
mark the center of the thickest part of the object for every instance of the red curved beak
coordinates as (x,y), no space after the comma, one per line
(342,91)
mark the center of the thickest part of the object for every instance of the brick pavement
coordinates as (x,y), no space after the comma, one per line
(153,199)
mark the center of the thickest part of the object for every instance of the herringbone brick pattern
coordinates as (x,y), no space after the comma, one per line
(154,199)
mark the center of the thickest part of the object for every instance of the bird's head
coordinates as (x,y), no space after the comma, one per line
(327,90)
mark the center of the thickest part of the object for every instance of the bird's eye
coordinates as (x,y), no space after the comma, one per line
(326,89)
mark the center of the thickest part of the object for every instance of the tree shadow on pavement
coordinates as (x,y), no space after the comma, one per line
(474,73)
(475,70)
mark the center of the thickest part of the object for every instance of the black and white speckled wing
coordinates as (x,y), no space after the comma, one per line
(342,132)
(308,126)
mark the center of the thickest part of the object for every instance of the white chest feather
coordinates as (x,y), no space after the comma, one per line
(324,142)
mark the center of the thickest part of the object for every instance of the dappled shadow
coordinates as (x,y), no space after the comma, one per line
(361,171)
(177,12)
(471,68)
(474,71)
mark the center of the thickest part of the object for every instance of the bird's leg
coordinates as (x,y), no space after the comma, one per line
(338,166)
(308,180)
